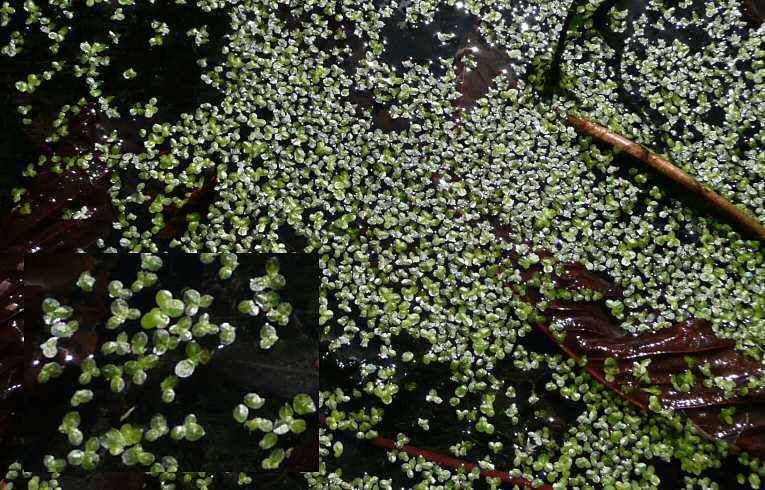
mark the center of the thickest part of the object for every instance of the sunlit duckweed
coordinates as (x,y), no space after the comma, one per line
(404,221)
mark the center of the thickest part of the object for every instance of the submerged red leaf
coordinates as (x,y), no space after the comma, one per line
(198,201)
(682,338)
(48,194)
(44,228)
(679,357)
(744,429)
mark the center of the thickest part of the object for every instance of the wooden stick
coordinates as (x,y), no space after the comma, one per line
(741,218)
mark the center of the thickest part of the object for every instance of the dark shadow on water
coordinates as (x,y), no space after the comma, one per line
(420,43)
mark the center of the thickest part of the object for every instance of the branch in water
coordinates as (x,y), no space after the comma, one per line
(664,167)
(449,462)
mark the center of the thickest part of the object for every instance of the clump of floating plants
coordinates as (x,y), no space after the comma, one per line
(410,224)
(302,404)
(177,322)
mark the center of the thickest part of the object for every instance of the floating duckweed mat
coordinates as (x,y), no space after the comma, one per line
(416,147)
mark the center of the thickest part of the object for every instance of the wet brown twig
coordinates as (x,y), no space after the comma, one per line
(739,217)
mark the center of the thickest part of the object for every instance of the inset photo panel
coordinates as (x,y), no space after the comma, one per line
(168,364)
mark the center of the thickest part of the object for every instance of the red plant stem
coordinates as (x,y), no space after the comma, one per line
(593,372)
(449,462)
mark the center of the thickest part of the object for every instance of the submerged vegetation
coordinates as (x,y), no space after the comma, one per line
(447,199)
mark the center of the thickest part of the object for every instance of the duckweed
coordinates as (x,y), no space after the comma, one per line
(303,404)
(254,401)
(268,336)
(80,397)
(86,282)
(241,413)
(407,223)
